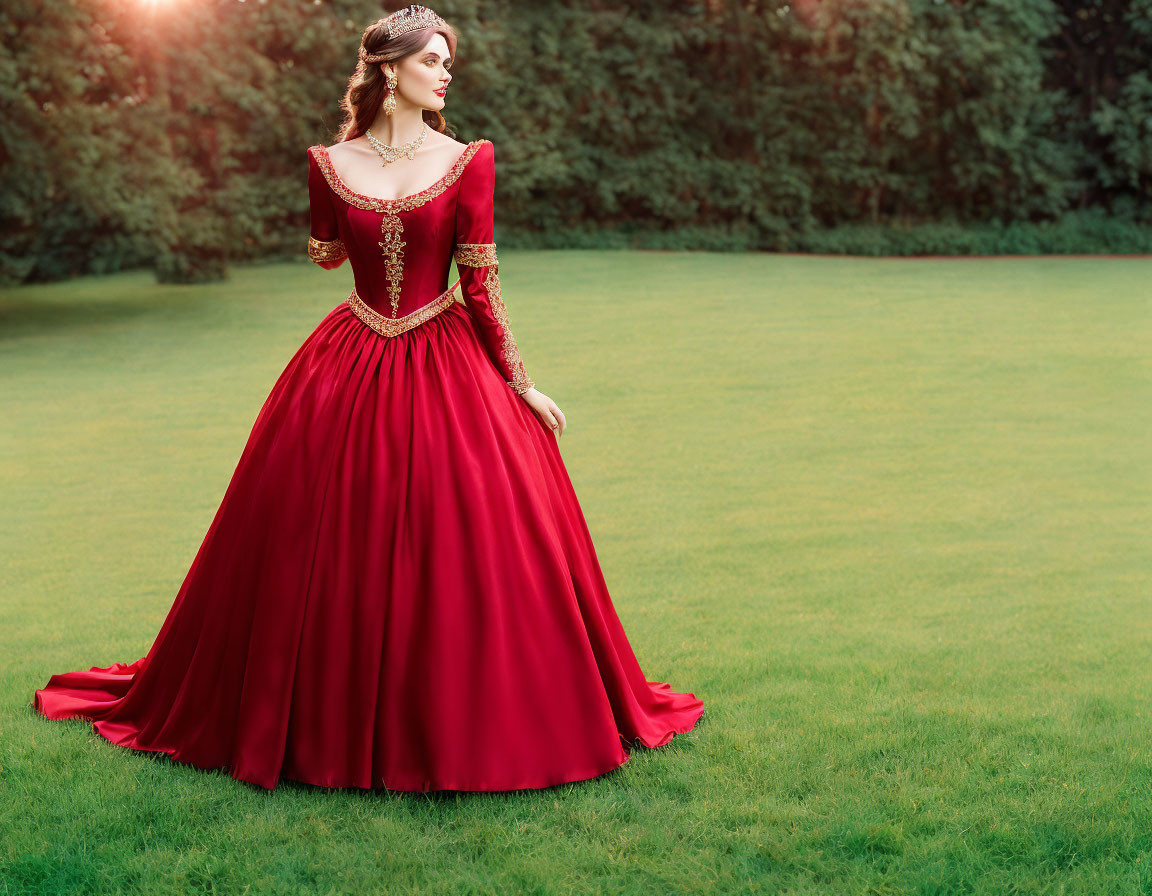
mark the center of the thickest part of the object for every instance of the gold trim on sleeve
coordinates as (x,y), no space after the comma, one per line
(476,255)
(326,250)
(520,382)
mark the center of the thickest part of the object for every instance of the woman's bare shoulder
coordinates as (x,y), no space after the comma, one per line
(347,147)
(444,142)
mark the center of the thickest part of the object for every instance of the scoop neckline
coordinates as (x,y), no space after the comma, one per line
(452,173)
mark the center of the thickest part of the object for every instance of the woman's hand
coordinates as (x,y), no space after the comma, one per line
(546,410)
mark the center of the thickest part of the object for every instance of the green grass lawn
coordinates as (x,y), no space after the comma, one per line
(890,519)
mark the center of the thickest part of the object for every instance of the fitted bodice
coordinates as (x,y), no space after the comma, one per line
(400,249)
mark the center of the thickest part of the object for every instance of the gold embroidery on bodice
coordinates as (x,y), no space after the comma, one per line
(393,245)
(394,326)
(391,227)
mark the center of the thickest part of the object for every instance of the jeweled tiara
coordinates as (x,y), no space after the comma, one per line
(411,18)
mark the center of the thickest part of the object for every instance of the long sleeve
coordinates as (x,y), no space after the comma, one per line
(475,255)
(324,244)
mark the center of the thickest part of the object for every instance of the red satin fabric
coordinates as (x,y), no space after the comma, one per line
(398,591)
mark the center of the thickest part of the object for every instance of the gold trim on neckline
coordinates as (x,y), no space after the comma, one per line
(403,203)
(393,326)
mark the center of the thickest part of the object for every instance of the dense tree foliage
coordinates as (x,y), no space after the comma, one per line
(172,134)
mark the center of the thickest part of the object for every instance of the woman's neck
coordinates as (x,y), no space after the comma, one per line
(402,126)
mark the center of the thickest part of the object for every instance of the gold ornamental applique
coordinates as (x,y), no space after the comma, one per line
(393,246)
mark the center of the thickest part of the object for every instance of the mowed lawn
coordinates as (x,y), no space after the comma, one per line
(891,519)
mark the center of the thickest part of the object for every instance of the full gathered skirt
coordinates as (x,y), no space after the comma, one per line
(398,591)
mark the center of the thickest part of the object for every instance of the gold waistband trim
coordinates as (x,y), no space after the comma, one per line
(391,326)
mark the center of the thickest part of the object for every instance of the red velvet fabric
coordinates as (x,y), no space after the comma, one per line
(398,590)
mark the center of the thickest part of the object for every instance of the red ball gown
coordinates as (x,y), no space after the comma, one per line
(398,590)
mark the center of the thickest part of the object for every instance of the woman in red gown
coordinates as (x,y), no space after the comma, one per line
(398,590)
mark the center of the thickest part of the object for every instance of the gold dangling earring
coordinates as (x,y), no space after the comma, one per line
(389,103)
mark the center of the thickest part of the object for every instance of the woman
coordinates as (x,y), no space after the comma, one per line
(398,589)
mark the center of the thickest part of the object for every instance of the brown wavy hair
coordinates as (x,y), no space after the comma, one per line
(366,87)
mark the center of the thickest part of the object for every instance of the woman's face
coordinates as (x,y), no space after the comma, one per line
(420,75)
